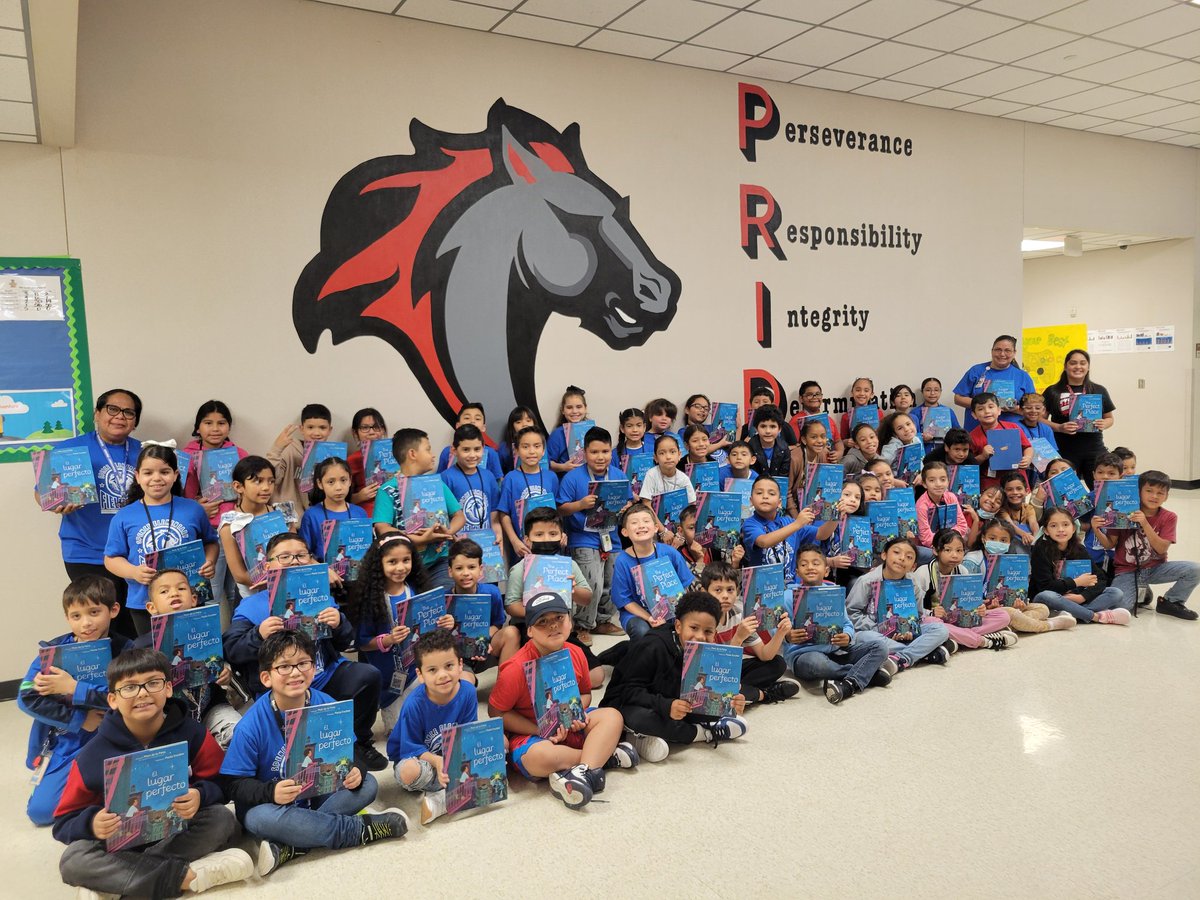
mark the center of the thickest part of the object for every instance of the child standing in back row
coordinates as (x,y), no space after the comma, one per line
(327,503)
(287,453)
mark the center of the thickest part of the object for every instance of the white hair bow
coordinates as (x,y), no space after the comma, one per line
(168,444)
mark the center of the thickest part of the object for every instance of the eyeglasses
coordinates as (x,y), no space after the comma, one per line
(288,558)
(370,426)
(118,412)
(153,686)
(304,666)
(701,406)
(812,395)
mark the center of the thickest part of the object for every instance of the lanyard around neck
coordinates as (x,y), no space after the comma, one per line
(150,521)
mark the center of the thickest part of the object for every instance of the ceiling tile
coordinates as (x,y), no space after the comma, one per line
(1186,46)
(736,4)
(703,57)
(1078,121)
(17,118)
(627,44)
(889,90)
(944,99)
(383,6)
(819,47)
(14,79)
(1168,116)
(1184,140)
(1024,9)
(1090,99)
(884,59)
(944,70)
(539,29)
(593,12)
(991,107)
(1160,26)
(1047,89)
(452,12)
(1137,107)
(1154,134)
(10,14)
(887,18)
(1021,41)
(1168,76)
(1135,62)
(1183,91)
(997,81)
(961,27)
(1034,114)
(772,69)
(674,20)
(1190,125)
(814,12)
(834,81)
(1074,55)
(748,32)
(12,43)
(1117,128)
(1091,16)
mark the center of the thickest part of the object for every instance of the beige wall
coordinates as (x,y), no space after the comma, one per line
(209,136)
(1148,284)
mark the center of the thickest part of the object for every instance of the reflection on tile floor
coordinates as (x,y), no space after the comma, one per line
(1065,767)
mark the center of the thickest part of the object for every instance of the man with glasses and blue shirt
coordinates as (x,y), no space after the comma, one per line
(333,674)
(83,530)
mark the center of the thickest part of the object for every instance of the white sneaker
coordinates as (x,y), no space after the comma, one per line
(433,805)
(726,728)
(650,748)
(890,666)
(1064,621)
(1008,636)
(222,867)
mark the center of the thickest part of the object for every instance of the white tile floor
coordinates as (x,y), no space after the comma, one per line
(1065,767)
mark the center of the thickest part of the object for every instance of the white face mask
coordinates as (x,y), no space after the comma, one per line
(996,548)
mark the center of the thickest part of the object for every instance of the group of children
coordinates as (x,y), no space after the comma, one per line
(531,493)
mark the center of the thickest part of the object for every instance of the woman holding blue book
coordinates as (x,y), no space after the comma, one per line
(1077,446)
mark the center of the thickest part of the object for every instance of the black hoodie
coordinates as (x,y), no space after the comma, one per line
(650,674)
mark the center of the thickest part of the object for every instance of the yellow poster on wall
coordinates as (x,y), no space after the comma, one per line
(1043,350)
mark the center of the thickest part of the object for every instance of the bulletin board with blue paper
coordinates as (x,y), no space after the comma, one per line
(45,377)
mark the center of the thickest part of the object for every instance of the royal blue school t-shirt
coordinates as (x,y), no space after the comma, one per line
(783,552)
(519,486)
(257,749)
(423,722)
(477,495)
(84,532)
(497,615)
(491,461)
(139,529)
(314,521)
(573,487)
(978,380)
(624,583)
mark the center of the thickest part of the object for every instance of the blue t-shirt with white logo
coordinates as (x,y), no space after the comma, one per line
(84,532)
(140,529)
(478,495)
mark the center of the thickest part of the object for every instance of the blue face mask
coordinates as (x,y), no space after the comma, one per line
(995,548)
(985,514)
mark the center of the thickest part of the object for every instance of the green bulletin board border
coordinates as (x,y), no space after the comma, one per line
(73,312)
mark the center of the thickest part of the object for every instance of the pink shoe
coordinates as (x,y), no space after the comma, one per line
(1113,617)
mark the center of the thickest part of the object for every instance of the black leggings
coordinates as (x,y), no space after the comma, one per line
(758,674)
(123,624)
(361,683)
(647,721)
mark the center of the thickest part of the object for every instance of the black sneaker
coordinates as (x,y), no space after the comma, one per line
(1174,608)
(881,678)
(271,856)
(780,691)
(838,690)
(625,756)
(1146,597)
(382,826)
(596,779)
(572,786)
(726,728)
(370,757)
(939,657)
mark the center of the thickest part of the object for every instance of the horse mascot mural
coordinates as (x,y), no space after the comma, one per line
(458,254)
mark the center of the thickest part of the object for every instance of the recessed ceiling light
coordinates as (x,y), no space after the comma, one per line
(1028,246)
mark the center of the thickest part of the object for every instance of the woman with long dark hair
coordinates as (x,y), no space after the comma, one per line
(1079,448)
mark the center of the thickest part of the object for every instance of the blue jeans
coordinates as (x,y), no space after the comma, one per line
(598,571)
(932,636)
(1109,598)
(636,627)
(857,662)
(331,822)
(1186,576)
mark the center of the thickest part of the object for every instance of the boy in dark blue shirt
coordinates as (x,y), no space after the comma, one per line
(255,776)
(586,547)
(67,712)
(466,568)
(772,456)
(476,488)
(442,698)
(769,536)
(332,673)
